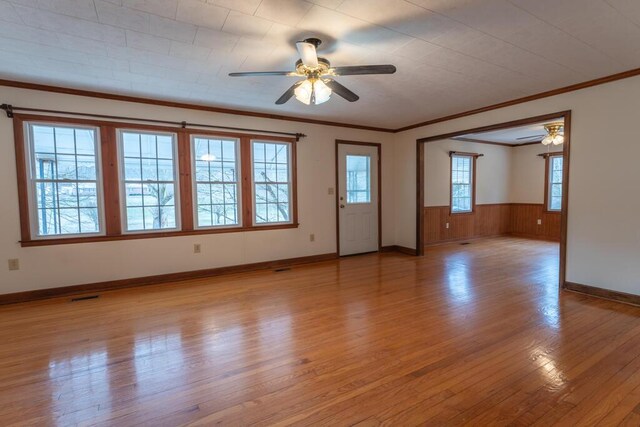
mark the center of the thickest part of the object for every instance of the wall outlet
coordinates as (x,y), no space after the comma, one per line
(446,225)
(330,191)
(197,248)
(539,222)
(312,237)
(14,264)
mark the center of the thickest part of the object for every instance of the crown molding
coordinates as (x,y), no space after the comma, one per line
(142,100)
(504,144)
(164,103)
(547,94)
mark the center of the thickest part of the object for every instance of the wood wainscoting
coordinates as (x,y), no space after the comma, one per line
(524,222)
(519,219)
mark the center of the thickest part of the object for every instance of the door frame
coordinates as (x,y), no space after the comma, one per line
(566,115)
(337,192)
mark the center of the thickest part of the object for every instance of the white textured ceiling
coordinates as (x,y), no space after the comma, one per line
(451,55)
(513,136)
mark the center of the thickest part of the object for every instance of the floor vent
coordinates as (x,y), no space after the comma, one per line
(465,243)
(279,270)
(85,298)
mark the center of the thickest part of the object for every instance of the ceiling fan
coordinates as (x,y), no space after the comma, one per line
(530,137)
(318,85)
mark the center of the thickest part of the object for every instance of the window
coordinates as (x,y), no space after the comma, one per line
(86,180)
(272,182)
(216,182)
(554,183)
(148,178)
(358,179)
(462,175)
(64,172)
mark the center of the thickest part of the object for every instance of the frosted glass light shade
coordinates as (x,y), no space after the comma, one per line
(323,93)
(318,88)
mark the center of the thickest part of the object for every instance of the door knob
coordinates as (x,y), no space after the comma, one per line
(341,206)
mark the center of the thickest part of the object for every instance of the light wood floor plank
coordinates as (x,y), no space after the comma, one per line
(475,334)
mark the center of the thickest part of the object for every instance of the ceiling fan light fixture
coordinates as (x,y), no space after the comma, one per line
(555,134)
(312,91)
(318,86)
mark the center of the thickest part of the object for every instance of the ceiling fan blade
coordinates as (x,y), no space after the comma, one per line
(337,88)
(264,73)
(529,137)
(288,94)
(357,70)
(308,54)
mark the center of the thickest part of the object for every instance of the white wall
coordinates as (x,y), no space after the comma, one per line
(492,171)
(64,265)
(602,250)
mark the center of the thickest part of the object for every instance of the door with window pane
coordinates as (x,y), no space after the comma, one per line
(358,198)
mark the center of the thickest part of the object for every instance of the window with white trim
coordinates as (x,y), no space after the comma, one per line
(271,182)
(216,181)
(461,183)
(148,175)
(554,189)
(64,180)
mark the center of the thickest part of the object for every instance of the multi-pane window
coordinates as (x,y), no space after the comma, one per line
(461,183)
(84,180)
(148,175)
(271,182)
(554,191)
(64,173)
(216,183)
(358,179)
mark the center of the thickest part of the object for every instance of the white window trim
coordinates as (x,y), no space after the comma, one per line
(471,178)
(194,182)
(550,183)
(289,182)
(122,182)
(31,180)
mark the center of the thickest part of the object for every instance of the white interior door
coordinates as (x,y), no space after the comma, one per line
(358,198)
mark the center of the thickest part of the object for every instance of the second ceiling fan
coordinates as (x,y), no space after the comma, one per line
(318,84)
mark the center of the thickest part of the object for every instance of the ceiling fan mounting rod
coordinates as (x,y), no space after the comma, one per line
(314,41)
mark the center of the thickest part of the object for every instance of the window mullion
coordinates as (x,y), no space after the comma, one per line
(246,169)
(185,182)
(110,181)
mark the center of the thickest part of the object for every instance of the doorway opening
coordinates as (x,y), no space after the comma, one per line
(497,180)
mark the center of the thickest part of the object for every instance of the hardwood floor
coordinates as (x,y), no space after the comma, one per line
(474,334)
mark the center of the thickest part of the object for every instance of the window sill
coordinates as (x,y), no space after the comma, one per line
(461,213)
(134,236)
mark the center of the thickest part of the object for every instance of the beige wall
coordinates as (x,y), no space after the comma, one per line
(602,251)
(64,265)
(492,171)
(504,174)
